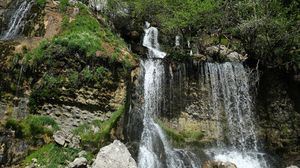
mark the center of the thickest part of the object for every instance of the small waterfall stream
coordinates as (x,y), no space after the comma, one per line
(155,150)
(17,20)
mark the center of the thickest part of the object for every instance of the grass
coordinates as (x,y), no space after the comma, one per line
(82,34)
(32,127)
(98,138)
(52,156)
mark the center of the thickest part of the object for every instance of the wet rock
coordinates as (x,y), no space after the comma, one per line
(218,164)
(80,162)
(66,139)
(115,155)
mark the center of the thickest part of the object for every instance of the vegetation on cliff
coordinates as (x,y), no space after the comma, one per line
(84,54)
(268,31)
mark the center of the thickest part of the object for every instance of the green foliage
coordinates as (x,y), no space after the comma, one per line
(268,30)
(90,135)
(52,156)
(32,127)
(37,55)
(177,14)
(41,3)
(63,5)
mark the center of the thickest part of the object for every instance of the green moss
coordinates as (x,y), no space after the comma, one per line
(32,127)
(98,138)
(52,156)
(180,138)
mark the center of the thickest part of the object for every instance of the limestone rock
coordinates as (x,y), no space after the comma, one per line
(225,53)
(218,164)
(98,5)
(115,155)
(80,162)
(66,139)
(292,166)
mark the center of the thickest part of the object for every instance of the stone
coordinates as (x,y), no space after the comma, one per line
(66,139)
(98,5)
(218,164)
(80,162)
(72,2)
(225,53)
(59,138)
(115,155)
(292,166)
(82,153)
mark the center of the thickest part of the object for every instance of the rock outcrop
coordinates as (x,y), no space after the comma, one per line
(115,155)
(225,53)
(66,139)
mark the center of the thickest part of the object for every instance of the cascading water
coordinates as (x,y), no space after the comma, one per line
(17,20)
(230,91)
(154,149)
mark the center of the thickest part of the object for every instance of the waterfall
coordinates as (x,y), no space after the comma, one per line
(17,21)
(155,150)
(177,41)
(230,91)
(151,42)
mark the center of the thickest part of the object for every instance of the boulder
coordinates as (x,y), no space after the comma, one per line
(66,139)
(98,5)
(218,164)
(115,155)
(225,53)
(80,162)
(292,166)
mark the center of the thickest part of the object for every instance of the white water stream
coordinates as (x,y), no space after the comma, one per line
(17,21)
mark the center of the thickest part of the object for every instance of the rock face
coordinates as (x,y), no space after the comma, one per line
(115,155)
(12,150)
(218,164)
(278,113)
